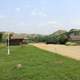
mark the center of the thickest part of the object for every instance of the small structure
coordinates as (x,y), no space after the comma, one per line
(74,37)
(17,39)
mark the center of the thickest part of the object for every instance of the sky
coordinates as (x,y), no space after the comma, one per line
(39,16)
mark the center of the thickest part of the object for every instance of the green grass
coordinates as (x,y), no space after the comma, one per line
(37,64)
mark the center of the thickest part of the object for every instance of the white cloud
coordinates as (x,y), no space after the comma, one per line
(18,9)
(55,25)
(42,14)
(52,22)
(36,12)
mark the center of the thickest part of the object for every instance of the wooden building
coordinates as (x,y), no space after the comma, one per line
(17,39)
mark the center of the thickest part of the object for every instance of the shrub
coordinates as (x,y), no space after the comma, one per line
(71,44)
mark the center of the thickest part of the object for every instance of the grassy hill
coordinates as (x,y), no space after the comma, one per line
(37,64)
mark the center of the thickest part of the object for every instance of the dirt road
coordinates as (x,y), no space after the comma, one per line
(69,51)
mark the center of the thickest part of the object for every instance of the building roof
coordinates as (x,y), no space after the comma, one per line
(19,36)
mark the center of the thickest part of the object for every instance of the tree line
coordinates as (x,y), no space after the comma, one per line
(58,37)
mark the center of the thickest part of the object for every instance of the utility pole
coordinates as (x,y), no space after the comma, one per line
(8,45)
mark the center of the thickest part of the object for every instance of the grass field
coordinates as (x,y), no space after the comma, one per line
(37,64)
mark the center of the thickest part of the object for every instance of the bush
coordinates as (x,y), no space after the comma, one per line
(71,44)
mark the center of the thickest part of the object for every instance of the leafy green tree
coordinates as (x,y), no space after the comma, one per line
(57,39)
(63,39)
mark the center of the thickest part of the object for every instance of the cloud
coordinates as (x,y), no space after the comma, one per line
(37,12)
(18,9)
(42,14)
(52,22)
(56,25)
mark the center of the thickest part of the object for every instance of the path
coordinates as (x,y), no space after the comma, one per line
(69,51)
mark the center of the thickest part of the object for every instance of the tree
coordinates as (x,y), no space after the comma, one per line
(63,39)
(57,39)
(1,36)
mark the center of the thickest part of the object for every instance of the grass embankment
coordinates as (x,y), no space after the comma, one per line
(37,64)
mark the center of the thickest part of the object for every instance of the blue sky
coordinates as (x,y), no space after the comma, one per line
(39,16)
